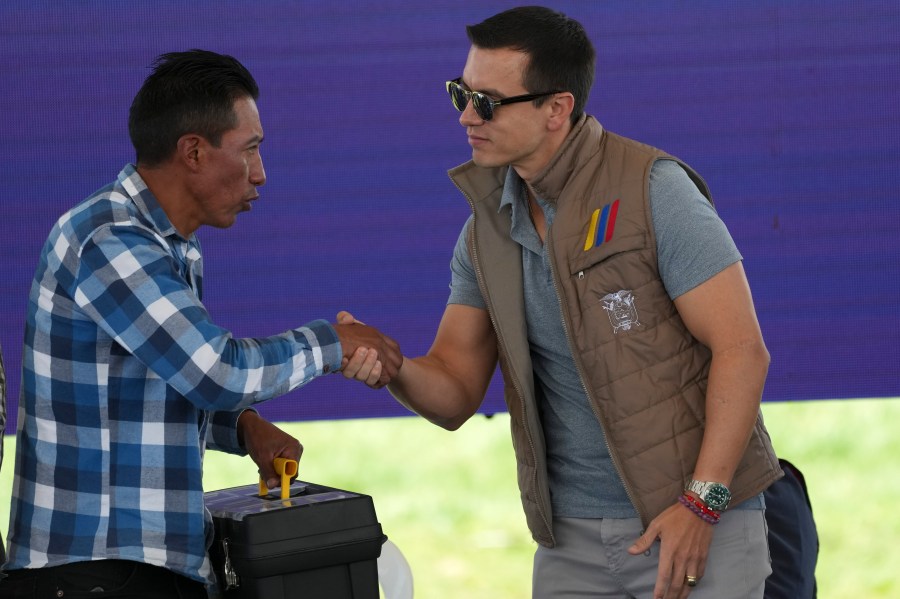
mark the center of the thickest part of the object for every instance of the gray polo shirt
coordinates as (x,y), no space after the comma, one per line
(693,245)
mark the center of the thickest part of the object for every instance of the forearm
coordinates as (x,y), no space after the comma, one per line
(736,379)
(427,387)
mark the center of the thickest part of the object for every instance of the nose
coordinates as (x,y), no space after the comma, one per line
(468,117)
(257,172)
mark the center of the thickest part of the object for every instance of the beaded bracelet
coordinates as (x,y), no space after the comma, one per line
(703,507)
(707,515)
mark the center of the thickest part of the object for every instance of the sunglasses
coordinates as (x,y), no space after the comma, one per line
(484,106)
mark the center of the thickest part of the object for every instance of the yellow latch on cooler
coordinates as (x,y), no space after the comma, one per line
(285,468)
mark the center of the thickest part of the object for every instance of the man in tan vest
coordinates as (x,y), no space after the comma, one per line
(595,270)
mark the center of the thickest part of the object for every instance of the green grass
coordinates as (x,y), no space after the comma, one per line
(449,500)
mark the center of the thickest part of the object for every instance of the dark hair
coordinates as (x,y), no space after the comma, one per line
(560,54)
(187,92)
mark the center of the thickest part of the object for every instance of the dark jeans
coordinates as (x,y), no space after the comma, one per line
(101,579)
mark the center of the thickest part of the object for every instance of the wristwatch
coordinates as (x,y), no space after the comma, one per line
(716,496)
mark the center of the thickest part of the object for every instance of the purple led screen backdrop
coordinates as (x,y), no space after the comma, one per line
(788,109)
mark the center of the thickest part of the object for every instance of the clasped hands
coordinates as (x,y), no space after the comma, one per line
(369,355)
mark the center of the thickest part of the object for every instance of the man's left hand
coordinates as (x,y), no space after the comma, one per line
(684,546)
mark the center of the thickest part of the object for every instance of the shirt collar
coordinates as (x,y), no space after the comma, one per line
(521,229)
(135,187)
(512,191)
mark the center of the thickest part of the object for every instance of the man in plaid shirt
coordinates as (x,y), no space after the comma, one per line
(126,379)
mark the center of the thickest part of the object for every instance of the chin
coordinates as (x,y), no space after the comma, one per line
(480,159)
(225,223)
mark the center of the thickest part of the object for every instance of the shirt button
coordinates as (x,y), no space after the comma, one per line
(326,369)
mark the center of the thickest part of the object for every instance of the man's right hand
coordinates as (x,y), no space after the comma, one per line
(379,349)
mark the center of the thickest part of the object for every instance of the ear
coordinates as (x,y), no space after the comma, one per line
(561,106)
(189,150)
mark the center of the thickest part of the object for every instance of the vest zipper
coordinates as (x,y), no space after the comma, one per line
(500,348)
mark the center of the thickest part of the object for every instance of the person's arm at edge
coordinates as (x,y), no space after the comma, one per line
(720,314)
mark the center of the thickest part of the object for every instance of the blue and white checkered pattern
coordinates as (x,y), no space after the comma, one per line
(125,381)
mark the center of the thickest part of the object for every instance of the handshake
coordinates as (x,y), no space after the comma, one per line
(369,355)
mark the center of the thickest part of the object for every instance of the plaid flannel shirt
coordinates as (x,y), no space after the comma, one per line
(125,381)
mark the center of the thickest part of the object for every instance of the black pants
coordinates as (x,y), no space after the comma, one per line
(101,579)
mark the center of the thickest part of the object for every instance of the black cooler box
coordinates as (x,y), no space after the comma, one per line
(316,543)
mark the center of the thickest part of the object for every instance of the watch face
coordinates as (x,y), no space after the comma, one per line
(717,496)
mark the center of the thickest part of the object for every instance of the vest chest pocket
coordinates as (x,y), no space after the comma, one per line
(613,257)
(603,287)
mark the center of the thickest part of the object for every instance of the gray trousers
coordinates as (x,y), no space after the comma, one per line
(591,559)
